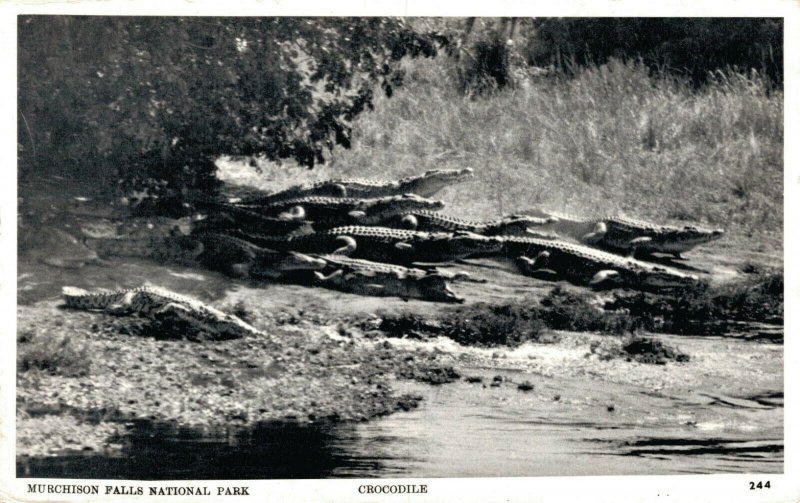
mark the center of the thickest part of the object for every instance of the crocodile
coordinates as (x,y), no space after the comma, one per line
(383,244)
(237,257)
(223,216)
(379,279)
(585,265)
(431,221)
(627,235)
(161,305)
(398,246)
(336,211)
(425,185)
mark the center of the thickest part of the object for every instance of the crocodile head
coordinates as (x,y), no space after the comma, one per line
(381,208)
(275,268)
(435,287)
(299,262)
(431,182)
(230,326)
(660,277)
(653,279)
(680,239)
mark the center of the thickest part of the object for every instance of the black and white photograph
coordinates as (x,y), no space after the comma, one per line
(394,250)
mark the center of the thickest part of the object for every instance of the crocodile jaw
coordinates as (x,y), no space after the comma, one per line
(435,180)
(665,279)
(686,239)
(398,205)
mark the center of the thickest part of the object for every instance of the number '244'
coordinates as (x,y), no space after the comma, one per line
(759,485)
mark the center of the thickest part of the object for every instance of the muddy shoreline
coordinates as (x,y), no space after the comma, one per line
(297,374)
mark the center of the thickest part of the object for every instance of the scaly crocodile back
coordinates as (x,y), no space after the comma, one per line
(78,298)
(426,184)
(370,266)
(432,221)
(387,233)
(515,245)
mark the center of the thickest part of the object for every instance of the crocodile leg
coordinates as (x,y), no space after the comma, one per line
(178,320)
(334,274)
(541,260)
(636,246)
(409,222)
(540,273)
(603,276)
(296,213)
(170,311)
(124,306)
(349,247)
(600,230)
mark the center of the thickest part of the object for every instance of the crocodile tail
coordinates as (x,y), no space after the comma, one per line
(72,291)
(73,296)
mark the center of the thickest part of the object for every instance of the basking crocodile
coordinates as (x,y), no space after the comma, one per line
(337,211)
(431,221)
(161,305)
(237,257)
(425,185)
(226,215)
(384,244)
(628,235)
(379,279)
(588,266)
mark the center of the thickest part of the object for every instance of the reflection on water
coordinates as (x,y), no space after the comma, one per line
(269,451)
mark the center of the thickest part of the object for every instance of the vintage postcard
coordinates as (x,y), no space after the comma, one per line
(408,253)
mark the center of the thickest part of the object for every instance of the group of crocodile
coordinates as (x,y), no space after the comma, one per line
(382,237)
(394,222)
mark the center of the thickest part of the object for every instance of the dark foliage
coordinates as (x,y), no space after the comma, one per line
(693,47)
(705,309)
(564,310)
(153,101)
(649,350)
(489,67)
(512,324)
(699,310)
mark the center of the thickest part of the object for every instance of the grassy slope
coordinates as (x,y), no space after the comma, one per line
(612,140)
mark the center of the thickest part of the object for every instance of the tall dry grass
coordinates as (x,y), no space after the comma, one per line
(611,140)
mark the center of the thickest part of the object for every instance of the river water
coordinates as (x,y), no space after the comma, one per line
(561,427)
